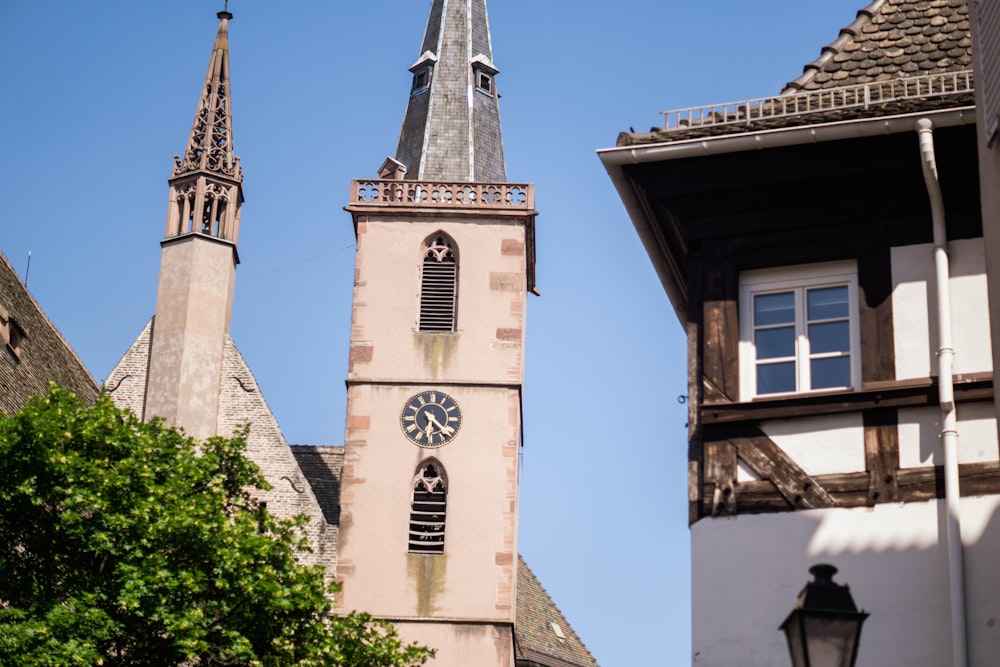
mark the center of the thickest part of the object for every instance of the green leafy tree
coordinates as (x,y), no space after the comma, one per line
(127,543)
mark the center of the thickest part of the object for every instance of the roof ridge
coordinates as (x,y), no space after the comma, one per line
(847,33)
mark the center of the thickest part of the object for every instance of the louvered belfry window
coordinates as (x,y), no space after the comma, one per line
(427,512)
(438,285)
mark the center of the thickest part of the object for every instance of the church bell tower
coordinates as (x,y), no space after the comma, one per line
(445,259)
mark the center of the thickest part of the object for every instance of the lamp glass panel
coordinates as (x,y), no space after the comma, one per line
(830,641)
(793,632)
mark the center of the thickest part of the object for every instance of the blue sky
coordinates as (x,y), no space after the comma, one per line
(98,97)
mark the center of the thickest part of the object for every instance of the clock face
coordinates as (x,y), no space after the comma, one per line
(431,419)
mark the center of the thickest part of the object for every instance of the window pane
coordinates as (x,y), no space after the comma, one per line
(773,309)
(827,303)
(830,373)
(830,337)
(773,343)
(776,378)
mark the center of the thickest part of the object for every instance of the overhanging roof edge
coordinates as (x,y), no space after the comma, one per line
(785,136)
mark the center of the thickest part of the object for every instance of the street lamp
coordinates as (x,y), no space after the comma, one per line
(824,627)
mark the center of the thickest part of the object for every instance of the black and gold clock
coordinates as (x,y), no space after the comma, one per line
(431,419)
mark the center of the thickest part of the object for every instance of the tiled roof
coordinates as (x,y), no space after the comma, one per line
(891,39)
(322,467)
(538,626)
(857,75)
(44,353)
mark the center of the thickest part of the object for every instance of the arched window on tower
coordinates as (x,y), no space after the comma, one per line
(427,511)
(438,285)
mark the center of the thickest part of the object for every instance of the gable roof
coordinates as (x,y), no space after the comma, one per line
(537,641)
(896,57)
(44,354)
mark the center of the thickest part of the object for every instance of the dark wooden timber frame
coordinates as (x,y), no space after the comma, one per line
(846,200)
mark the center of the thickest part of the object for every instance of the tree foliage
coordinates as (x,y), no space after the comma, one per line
(127,543)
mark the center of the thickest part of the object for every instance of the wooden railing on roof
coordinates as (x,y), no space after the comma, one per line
(404,193)
(860,96)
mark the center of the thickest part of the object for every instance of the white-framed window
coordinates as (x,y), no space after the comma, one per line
(799,329)
(484,82)
(421,80)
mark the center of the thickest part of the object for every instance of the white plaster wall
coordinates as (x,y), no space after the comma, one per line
(920,439)
(748,570)
(821,445)
(914,306)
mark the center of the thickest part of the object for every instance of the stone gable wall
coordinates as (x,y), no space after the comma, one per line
(126,383)
(240,401)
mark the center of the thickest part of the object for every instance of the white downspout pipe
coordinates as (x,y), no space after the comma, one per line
(949,419)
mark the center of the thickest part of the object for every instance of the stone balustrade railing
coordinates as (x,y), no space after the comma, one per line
(405,193)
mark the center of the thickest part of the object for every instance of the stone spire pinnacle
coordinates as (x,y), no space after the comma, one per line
(206,189)
(210,145)
(451,131)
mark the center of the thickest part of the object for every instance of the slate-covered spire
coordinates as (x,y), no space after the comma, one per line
(210,145)
(451,131)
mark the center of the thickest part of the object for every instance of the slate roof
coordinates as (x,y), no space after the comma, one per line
(890,40)
(537,644)
(44,353)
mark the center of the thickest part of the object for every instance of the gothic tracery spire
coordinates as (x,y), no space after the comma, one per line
(210,144)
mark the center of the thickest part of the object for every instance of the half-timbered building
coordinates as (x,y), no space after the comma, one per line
(823,249)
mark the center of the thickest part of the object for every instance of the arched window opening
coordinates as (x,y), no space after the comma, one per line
(427,511)
(438,285)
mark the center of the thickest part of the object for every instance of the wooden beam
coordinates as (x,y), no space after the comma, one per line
(875,305)
(881,455)
(851,489)
(693,329)
(720,327)
(720,471)
(771,462)
(895,394)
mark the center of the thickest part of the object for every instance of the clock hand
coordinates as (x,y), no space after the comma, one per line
(429,416)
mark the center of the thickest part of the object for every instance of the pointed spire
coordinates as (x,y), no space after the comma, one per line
(207,183)
(451,131)
(210,146)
